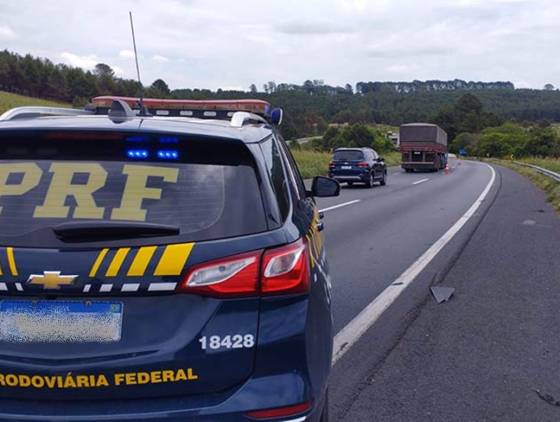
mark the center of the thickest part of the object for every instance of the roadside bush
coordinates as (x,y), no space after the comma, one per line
(465,140)
(502,141)
(357,135)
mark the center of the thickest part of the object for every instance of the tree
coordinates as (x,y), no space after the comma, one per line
(102,69)
(542,142)
(253,89)
(469,103)
(466,141)
(348,89)
(160,85)
(549,87)
(467,115)
(271,87)
(503,141)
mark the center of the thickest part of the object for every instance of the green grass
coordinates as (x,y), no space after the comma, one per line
(547,163)
(9,100)
(392,158)
(314,163)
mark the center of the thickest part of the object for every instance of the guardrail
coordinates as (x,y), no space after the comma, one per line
(546,172)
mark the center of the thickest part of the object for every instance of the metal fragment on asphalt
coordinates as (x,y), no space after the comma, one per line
(441,293)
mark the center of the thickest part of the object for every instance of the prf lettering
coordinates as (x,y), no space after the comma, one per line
(62,187)
(70,380)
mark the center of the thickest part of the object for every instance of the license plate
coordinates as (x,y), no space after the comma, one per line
(346,167)
(54,321)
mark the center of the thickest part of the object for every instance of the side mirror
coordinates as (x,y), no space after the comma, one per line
(323,187)
(380,159)
(276,116)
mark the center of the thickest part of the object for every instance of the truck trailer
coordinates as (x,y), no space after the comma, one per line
(423,147)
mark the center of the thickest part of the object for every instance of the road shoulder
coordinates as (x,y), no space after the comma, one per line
(484,354)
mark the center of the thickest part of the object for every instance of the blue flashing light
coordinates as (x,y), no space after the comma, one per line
(168,140)
(168,154)
(137,154)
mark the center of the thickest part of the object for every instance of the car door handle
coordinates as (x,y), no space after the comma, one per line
(320,226)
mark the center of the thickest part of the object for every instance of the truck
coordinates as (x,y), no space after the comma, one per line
(423,147)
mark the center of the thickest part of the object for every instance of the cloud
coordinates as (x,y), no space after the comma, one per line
(399,68)
(405,51)
(7,33)
(118,71)
(86,62)
(158,58)
(312,27)
(210,44)
(126,54)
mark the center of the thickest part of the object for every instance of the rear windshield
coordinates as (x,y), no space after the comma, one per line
(348,155)
(207,188)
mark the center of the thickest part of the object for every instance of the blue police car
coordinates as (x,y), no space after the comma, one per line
(159,261)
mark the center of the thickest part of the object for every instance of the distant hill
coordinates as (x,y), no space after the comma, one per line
(433,85)
(309,107)
(9,100)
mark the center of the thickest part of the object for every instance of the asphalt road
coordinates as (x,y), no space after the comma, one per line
(371,242)
(485,354)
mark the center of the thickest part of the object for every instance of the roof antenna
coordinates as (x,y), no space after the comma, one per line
(143,110)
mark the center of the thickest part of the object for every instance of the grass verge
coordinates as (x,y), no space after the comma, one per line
(547,163)
(9,100)
(315,163)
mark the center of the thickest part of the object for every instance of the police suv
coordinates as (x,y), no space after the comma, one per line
(159,260)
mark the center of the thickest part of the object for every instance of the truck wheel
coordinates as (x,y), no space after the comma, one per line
(409,170)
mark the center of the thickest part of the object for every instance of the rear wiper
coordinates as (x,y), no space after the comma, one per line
(84,231)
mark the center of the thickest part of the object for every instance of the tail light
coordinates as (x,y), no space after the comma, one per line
(362,164)
(286,269)
(283,270)
(280,412)
(233,276)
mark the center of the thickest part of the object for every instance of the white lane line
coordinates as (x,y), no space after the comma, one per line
(356,328)
(420,181)
(334,207)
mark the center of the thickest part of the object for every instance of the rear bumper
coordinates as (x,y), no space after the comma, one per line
(418,165)
(292,366)
(350,178)
(275,390)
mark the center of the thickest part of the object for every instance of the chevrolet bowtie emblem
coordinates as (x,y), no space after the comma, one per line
(51,279)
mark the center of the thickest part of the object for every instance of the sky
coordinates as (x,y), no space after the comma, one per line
(232,44)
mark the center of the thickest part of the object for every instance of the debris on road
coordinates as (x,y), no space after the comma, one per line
(548,398)
(442,293)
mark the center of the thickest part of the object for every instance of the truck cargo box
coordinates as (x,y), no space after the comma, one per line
(422,133)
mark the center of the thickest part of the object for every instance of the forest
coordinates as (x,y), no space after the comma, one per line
(309,107)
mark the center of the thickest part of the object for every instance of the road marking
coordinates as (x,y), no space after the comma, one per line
(356,328)
(420,181)
(334,207)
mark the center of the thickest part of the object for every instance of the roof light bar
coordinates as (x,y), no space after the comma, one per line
(253,106)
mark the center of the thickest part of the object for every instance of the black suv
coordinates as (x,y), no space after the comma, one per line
(362,165)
